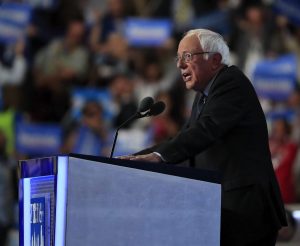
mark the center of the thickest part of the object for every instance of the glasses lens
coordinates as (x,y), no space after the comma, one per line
(187,57)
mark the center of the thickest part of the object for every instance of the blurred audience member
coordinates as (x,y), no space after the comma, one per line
(154,79)
(114,60)
(290,35)
(112,21)
(163,125)
(14,74)
(6,192)
(43,28)
(63,60)
(153,9)
(63,63)
(255,38)
(108,44)
(283,151)
(12,77)
(89,136)
(293,104)
(92,10)
(123,98)
(184,12)
(48,22)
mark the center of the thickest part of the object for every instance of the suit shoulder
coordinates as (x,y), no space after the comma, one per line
(233,76)
(234,72)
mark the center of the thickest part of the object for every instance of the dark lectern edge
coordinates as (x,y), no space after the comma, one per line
(185,172)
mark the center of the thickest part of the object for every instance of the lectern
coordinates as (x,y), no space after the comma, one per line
(86,200)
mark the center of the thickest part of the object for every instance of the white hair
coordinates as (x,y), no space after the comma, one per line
(211,42)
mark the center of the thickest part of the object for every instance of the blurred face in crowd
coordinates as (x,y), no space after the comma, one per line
(121,88)
(2,143)
(153,72)
(255,15)
(75,33)
(294,99)
(197,72)
(117,46)
(116,7)
(92,114)
(280,130)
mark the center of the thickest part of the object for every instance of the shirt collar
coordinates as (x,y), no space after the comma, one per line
(205,92)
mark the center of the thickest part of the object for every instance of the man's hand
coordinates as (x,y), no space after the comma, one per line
(149,157)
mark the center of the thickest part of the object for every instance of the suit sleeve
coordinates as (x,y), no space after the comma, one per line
(224,109)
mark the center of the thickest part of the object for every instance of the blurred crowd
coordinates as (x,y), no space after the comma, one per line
(81,45)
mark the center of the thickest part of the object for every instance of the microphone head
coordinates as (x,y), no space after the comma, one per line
(145,104)
(157,108)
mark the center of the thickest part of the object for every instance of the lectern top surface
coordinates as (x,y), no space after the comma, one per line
(186,172)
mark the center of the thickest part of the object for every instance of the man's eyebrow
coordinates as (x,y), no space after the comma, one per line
(185,51)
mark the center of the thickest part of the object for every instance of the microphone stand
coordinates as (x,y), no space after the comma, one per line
(152,110)
(148,108)
(133,117)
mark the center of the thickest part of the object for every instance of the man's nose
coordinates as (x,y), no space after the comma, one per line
(181,63)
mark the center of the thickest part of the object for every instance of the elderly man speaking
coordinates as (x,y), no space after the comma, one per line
(227,132)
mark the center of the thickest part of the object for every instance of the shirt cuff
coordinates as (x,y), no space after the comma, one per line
(160,156)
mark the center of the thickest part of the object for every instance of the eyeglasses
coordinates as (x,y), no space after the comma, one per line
(187,57)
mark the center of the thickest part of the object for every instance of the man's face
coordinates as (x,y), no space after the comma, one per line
(75,33)
(197,72)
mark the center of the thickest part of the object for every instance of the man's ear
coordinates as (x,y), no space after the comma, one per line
(216,60)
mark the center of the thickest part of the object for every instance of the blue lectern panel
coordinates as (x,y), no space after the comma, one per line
(115,205)
(38,167)
(37,201)
(38,210)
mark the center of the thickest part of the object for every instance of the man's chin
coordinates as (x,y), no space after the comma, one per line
(189,85)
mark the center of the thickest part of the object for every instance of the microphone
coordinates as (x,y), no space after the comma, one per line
(156,109)
(144,106)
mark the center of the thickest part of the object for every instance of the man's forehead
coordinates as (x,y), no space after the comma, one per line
(189,43)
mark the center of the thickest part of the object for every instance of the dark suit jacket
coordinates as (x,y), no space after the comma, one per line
(230,136)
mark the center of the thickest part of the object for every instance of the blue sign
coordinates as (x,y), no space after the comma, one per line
(37,221)
(82,95)
(41,212)
(147,32)
(289,8)
(14,19)
(38,139)
(88,142)
(286,114)
(45,4)
(276,79)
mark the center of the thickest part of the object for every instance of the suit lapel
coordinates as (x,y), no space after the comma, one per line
(199,102)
